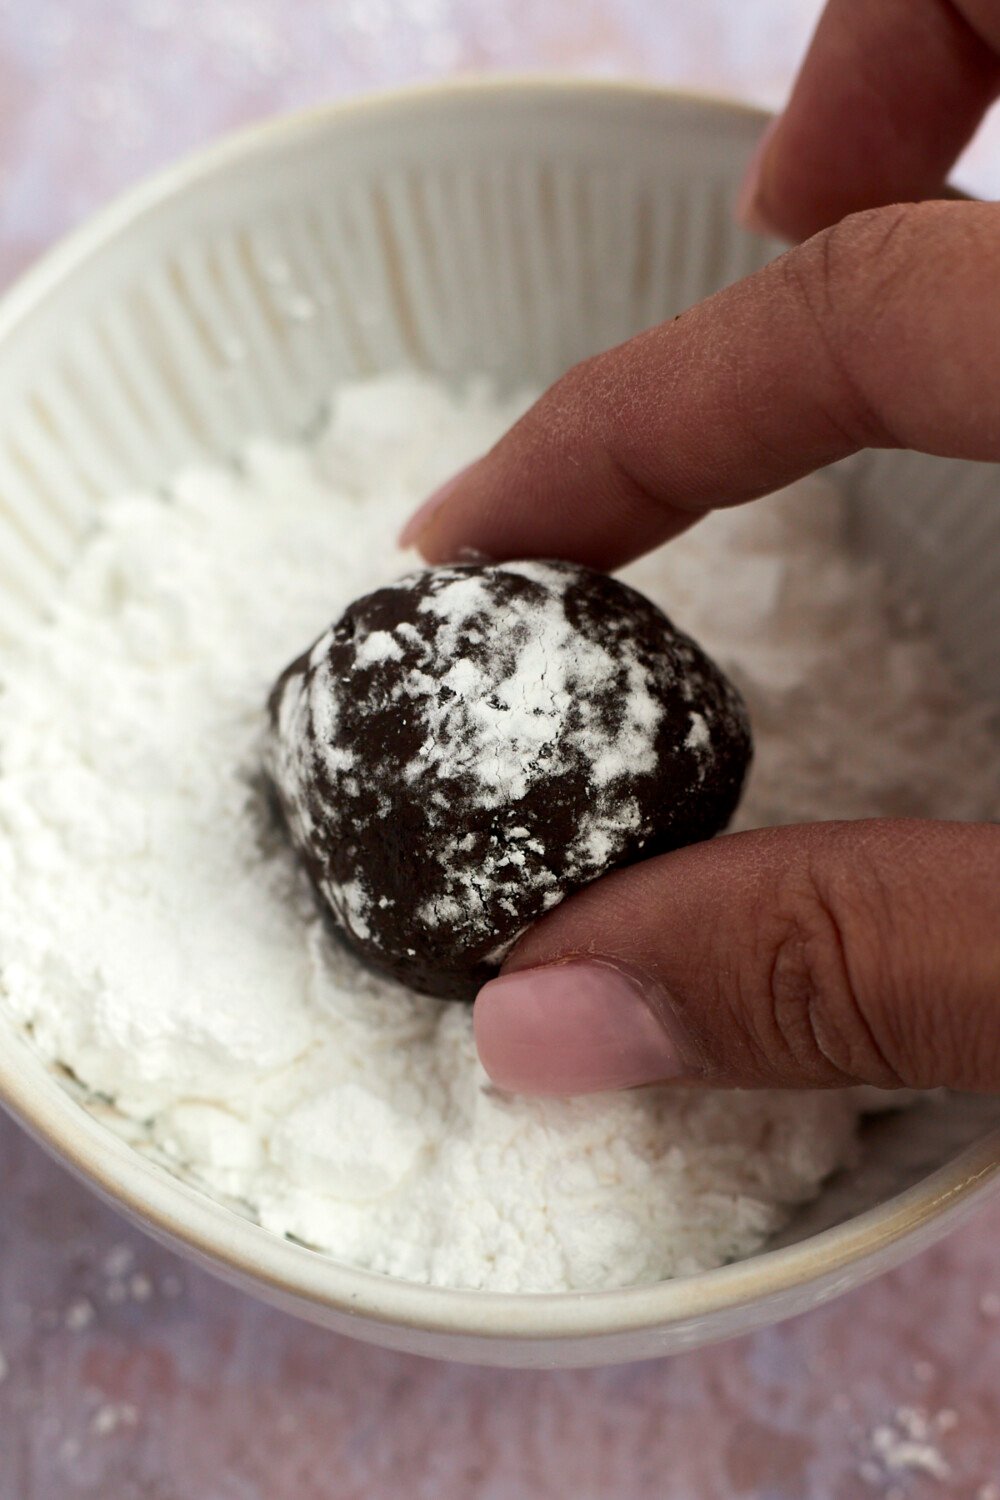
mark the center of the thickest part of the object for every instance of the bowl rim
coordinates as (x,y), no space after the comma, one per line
(218,1235)
(41,278)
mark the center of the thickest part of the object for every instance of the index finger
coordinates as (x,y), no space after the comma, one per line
(883,331)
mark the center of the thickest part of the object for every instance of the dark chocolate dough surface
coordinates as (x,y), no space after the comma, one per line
(469,745)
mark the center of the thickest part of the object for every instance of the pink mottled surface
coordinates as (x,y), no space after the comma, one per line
(127,1374)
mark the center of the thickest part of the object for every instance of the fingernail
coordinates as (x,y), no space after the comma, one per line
(575,1028)
(748,210)
(421,517)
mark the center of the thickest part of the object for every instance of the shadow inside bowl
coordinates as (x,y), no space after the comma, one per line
(898,1149)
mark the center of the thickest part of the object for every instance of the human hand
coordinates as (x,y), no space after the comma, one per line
(808,956)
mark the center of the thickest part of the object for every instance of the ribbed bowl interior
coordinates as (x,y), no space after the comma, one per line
(514,245)
(513,250)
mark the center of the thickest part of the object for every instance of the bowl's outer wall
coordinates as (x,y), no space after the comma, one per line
(511,229)
(508,1331)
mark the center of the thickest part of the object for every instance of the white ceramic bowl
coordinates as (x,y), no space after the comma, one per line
(511,227)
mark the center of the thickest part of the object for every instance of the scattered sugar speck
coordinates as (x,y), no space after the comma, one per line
(79,1315)
(109,1418)
(119,1260)
(905,1444)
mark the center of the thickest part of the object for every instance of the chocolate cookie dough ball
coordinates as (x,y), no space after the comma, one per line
(468,746)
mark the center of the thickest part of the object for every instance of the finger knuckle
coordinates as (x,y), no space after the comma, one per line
(562,421)
(873,250)
(602,406)
(578,395)
(821,1010)
(847,279)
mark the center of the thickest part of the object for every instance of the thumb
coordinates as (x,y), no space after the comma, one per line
(821,955)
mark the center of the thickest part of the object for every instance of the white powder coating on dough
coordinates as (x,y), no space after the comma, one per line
(552,665)
(504,690)
(157,937)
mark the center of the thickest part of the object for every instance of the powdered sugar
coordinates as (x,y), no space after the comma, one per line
(523,715)
(158,940)
(908,1444)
